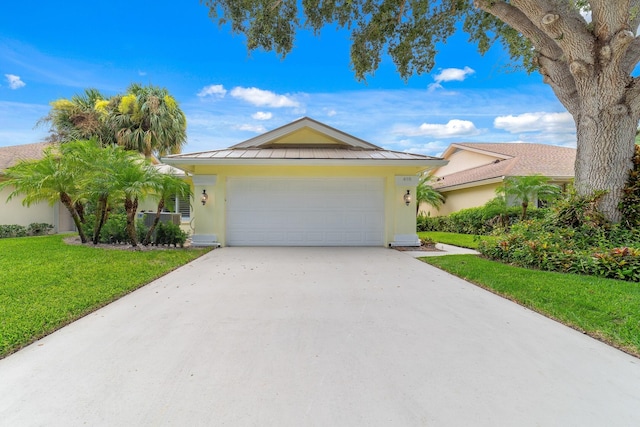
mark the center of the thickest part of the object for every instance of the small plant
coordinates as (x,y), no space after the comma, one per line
(427,241)
(39,229)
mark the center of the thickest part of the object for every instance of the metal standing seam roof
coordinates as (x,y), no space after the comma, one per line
(513,159)
(301,153)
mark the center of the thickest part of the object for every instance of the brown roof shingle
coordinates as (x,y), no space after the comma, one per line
(522,159)
(9,156)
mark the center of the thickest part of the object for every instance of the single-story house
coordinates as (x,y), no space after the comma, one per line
(14,212)
(475,170)
(304,184)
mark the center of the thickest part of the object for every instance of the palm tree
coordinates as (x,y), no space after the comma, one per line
(50,179)
(527,188)
(149,120)
(82,117)
(165,188)
(426,194)
(98,182)
(133,179)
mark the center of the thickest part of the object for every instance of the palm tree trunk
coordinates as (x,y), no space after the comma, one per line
(156,220)
(525,205)
(131,206)
(101,218)
(66,201)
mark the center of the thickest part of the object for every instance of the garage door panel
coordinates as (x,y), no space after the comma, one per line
(305,212)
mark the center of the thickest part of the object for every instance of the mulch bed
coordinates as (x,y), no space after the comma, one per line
(75,240)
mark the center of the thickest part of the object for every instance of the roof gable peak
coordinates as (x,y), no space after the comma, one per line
(306,133)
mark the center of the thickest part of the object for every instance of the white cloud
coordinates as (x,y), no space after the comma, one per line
(536,122)
(217,91)
(261,115)
(252,128)
(450,75)
(142,73)
(453,128)
(259,97)
(331,112)
(14,81)
(453,74)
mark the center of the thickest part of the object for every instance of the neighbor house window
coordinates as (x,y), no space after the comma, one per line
(182,206)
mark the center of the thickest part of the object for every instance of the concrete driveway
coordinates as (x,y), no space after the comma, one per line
(317,337)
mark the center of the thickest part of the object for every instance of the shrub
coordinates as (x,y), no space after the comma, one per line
(12,230)
(39,229)
(169,234)
(573,239)
(114,230)
(480,220)
(630,204)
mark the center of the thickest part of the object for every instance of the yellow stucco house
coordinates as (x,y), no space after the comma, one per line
(13,212)
(304,184)
(475,170)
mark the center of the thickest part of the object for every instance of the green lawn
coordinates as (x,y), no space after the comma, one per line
(606,309)
(45,283)
(463,240)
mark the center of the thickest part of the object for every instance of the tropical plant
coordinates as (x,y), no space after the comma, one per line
(148,119)
(586,50)
(49,179)
(426,194)
(134,178)
(166,188)
(527,188)
(82,117)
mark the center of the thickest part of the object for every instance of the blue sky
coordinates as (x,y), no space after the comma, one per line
(57,49)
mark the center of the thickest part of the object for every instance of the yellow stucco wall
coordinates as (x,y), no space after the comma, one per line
(463,160)
(399,219)
(463,199)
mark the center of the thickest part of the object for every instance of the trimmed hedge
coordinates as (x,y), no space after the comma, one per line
(481,220)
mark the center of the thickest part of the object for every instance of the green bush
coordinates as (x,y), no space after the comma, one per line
(481,220)
(12,230)
(39,229)
(114,230)
(169,234)
(574,238)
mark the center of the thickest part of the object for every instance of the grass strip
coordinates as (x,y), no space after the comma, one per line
(470,241)
(605,309)
(46,284)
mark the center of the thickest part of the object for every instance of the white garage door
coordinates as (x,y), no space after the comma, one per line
(305,212)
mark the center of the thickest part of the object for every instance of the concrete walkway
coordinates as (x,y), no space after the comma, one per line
(317,337)
(443,249)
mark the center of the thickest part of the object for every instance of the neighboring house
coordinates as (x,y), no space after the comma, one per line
(475,170)
(304,184)
(13,212)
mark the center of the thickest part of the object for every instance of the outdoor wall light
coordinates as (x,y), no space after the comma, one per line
(204,197)
(407,198)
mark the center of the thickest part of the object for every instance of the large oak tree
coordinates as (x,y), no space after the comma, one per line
(586,51)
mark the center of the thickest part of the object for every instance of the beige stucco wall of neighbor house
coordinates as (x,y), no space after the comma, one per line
(462,199)
(13,212)
(211,220)
(463,160)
